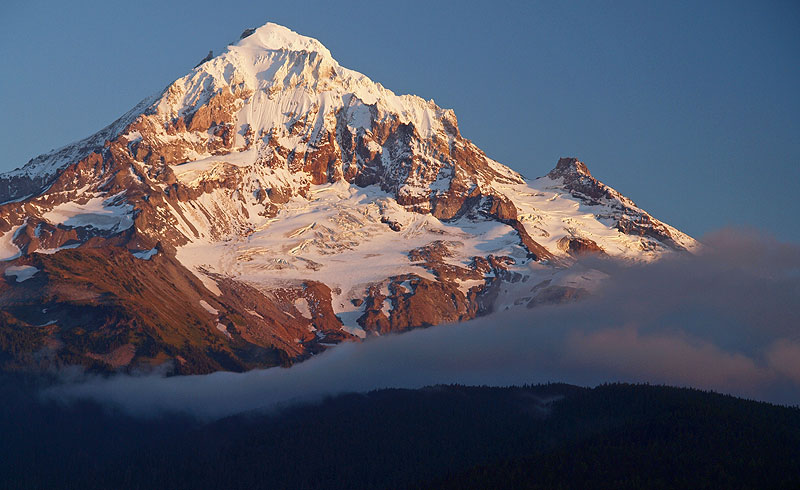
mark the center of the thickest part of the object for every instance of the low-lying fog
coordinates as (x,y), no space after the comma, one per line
(727,319)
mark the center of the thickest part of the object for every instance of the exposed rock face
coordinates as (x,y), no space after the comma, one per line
(271,204)
(101,306)
(577,246)
(19,186)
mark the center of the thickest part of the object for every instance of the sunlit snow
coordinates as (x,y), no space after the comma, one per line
(98,212)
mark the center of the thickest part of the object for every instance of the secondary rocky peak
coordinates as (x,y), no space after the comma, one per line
(208,57)
(576,178)
(569,166)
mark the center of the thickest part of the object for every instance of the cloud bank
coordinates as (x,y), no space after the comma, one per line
(727,319)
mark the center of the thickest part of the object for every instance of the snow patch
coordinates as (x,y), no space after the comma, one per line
(255,314)
(205,168)
(50,251)
(464,285)
(302,306)
(98,213)
(8,250)
(146,254)
(209,308)
(357,331)
(222,328)
(21,272)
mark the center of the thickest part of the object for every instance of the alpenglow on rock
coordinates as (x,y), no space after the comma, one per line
(271,204)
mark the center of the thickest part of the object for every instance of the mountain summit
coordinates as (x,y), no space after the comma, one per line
(271,204)
(274,37)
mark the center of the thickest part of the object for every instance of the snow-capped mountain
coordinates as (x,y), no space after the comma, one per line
(272,203)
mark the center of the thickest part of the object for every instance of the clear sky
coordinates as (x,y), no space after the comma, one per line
(692,109)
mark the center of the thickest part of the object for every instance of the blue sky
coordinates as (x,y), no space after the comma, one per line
(689,108)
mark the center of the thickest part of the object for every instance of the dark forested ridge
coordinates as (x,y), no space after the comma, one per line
(546,436)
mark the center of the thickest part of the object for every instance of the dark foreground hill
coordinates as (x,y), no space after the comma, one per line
(547,436)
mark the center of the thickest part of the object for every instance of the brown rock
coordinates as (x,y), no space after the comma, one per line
(577,246)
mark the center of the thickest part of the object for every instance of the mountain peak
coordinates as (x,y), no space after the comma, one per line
(276,37)
(252,189)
